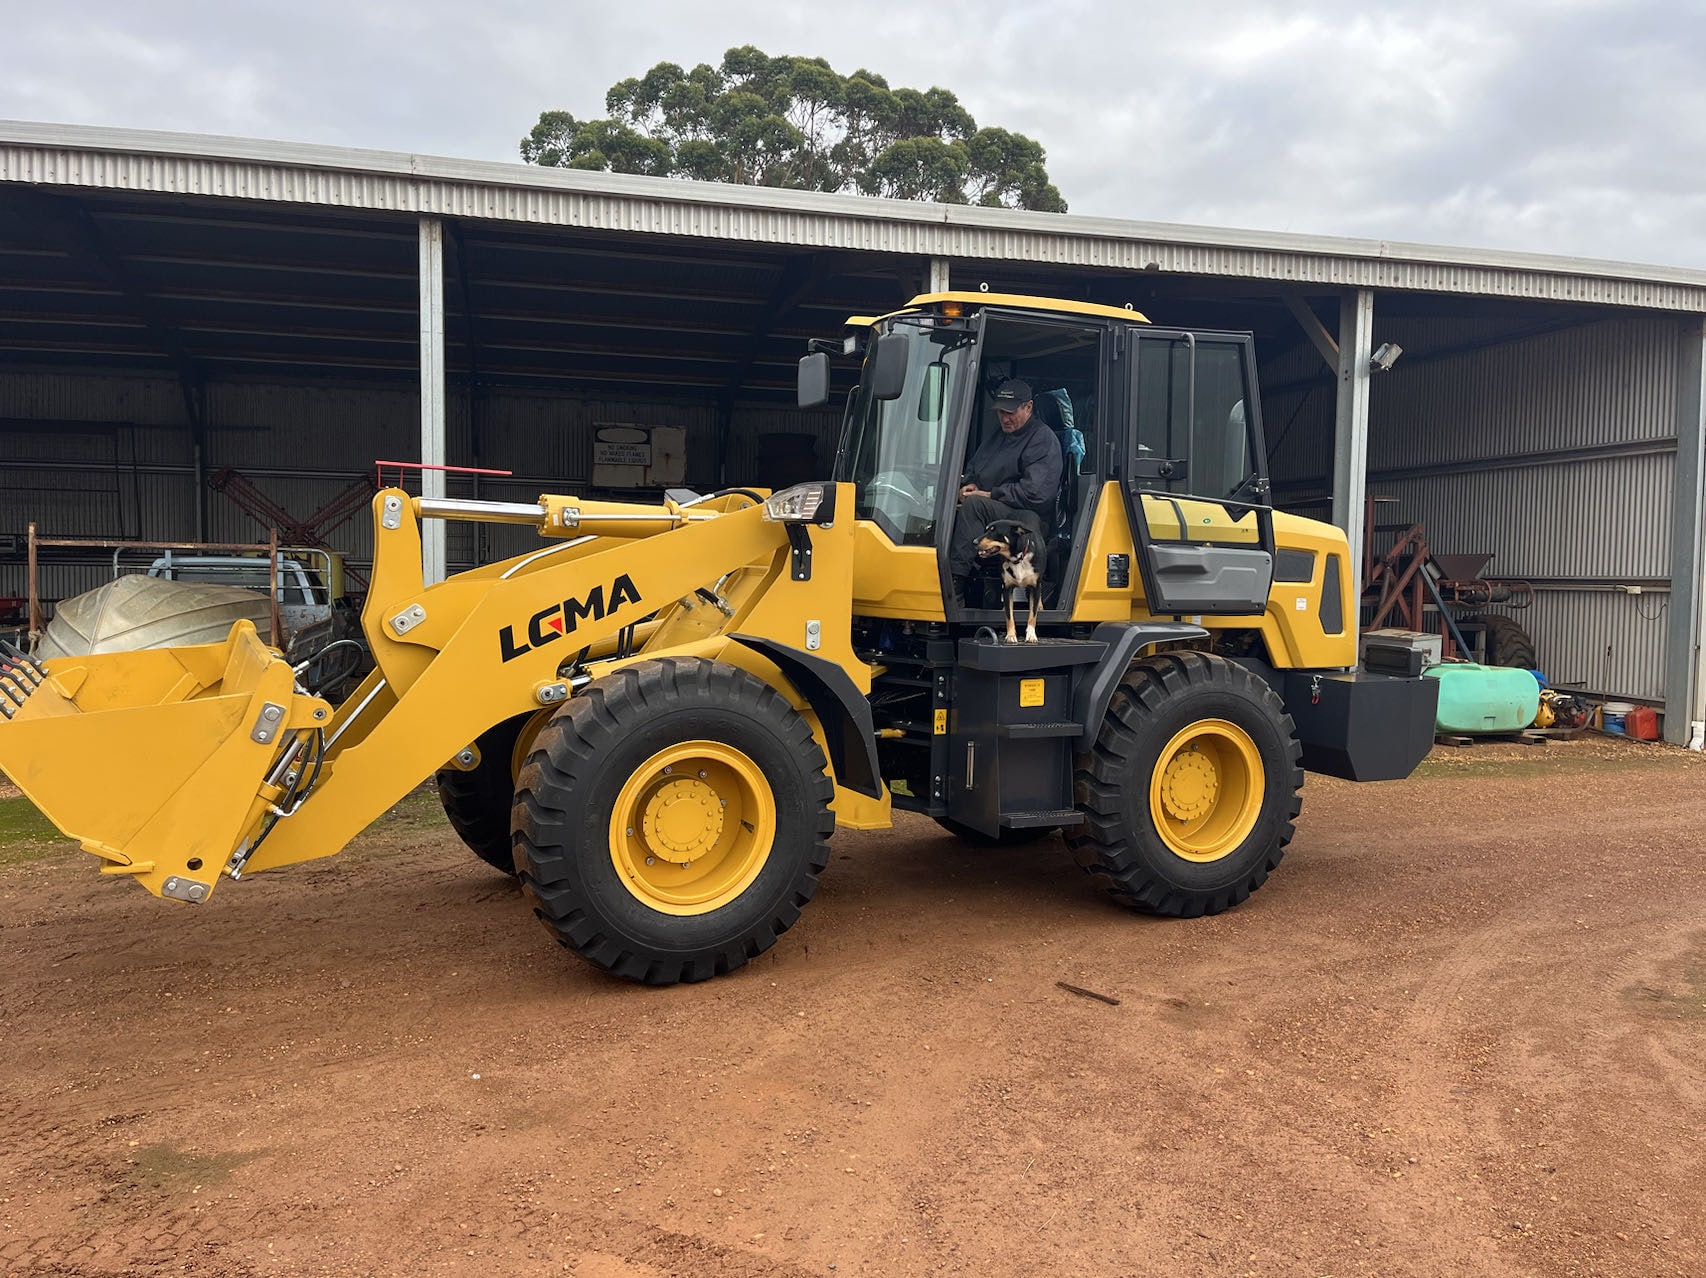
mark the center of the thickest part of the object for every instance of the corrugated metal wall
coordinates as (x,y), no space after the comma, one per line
(127,470)
(1554,451)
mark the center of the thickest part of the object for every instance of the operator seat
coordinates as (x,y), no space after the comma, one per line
(1054,407)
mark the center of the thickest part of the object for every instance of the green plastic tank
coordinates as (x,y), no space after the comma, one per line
(1484,698)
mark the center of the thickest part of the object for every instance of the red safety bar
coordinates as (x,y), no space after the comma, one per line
(379,469)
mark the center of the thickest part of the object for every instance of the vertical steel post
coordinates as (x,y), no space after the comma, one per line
(36,622)
(1685,668)
(938,276)
(433,532)
(276,633)
(1350,423)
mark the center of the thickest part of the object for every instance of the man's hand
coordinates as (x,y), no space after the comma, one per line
(972,490)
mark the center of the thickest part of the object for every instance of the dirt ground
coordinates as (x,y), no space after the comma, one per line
(1461,1031)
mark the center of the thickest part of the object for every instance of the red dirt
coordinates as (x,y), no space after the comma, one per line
(1460,1031)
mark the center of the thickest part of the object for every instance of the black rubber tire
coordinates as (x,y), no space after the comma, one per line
(1005,839)
(1508,643)
(574,775)
(479,802)
(1118,844)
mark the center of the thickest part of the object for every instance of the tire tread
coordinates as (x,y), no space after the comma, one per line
(1104,845)
(566,754)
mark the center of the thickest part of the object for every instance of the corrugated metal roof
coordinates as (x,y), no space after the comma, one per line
(295,173)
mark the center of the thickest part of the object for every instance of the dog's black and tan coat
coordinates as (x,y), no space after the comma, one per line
(1022,558)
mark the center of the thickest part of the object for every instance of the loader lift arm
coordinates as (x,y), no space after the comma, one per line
(452,660)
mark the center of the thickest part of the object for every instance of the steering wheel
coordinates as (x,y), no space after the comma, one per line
(878,487)
(898,483)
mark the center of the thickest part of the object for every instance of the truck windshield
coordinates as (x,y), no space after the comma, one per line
(894,447)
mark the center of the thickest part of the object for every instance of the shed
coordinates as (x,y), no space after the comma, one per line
(191,327)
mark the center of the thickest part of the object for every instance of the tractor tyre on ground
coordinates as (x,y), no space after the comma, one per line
(1005,839)
(1191,789)
(478,801)
(672,820)
(1508,643)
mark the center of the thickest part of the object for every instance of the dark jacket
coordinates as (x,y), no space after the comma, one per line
(1021,469)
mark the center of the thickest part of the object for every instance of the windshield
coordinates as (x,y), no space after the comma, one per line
(894,447)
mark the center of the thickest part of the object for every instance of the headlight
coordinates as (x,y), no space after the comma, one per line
(801,504)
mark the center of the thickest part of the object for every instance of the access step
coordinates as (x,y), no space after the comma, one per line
(1031,731)
(1018,658)
(1044,818)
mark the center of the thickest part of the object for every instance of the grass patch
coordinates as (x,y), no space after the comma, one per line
(419,808)
(25,834)
(1685,997)
(166,1170)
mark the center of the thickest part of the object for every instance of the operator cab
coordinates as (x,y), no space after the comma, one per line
(1170,414)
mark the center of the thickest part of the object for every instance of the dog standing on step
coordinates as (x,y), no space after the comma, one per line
(1021,554)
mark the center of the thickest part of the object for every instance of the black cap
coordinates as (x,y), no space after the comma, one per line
(1011,393)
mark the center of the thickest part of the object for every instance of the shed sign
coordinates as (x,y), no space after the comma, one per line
(607,453)
(631,456)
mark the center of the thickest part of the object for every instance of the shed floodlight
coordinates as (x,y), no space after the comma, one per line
(1383,359)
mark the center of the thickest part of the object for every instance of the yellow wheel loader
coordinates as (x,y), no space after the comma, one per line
(657,719)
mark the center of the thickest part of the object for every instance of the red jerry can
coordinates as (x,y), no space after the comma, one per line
(1642,723)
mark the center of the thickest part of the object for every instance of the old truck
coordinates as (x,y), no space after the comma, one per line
(656,720)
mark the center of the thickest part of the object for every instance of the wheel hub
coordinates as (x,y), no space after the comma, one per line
(683,820)
(1190,786)
(692,827)
(1205,793)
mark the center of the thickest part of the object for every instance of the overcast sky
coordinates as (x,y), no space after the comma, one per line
(1545,125)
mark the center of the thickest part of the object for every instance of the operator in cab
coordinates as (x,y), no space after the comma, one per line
(1015,474)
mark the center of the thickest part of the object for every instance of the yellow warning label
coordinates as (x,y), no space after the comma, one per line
(1030,692)
(941,723)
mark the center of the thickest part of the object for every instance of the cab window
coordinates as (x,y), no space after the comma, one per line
(1199,421)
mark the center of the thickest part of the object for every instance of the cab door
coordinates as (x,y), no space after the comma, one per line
(1194,472)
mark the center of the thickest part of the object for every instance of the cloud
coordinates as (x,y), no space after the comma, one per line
(1575,128)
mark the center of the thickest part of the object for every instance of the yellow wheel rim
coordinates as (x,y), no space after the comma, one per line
(692,827)
(1206,791)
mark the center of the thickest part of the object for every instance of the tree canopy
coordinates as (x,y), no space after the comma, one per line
(794,122)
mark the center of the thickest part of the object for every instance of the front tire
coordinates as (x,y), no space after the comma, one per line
(1191,789)
(671,820)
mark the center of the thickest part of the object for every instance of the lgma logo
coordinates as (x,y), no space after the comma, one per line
(550,624)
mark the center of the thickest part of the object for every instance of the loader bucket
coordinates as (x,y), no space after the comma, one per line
(159,762)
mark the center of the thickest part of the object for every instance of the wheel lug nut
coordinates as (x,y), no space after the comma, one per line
(651,860)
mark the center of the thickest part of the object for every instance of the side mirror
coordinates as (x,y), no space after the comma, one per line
(888,365)
(813,389)
(932,393)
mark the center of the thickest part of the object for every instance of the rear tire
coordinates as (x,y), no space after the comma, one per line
(671,820)
(1191,789)
(478,802)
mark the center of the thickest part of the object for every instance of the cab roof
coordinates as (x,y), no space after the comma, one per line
(1019,301)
